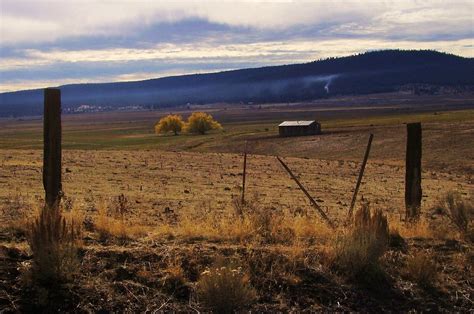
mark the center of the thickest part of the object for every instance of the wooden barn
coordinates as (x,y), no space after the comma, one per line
(299,128)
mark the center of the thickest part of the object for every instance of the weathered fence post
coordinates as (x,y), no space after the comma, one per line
(413,191)
(52,146)
(313,202)
(244,173)
(361,174)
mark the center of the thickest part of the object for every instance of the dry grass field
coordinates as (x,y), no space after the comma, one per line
(161,226)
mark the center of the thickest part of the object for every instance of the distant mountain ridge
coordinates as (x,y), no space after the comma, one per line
(366,73)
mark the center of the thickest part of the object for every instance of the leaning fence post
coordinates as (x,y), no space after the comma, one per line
(313,202)
(361,174)
(52,146)
(244,173)
(413,191)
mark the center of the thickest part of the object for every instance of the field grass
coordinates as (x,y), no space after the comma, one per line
(180,222)
(134,130)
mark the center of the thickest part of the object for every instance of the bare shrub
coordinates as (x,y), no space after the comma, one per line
(357,253)
(225,289)
(458,210)
(54,241)
(421,268)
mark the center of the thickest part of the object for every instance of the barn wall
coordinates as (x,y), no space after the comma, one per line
(312,129)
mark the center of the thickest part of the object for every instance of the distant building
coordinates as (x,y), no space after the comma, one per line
(299,128)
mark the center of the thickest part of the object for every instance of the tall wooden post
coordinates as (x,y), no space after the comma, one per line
(244,173)
(52,146)
(361,174)
(413,191)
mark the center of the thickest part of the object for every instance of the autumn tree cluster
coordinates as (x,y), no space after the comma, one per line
(198,123)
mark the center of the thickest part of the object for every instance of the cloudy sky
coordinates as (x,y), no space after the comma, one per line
(54,42)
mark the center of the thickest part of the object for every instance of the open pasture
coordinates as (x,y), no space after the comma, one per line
(177,215)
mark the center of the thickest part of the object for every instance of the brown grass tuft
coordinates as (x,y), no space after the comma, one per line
(421,268)
(225,289)
(109,227)
(460,212)
(357,253)
(17,213)
(418,229)
(174,281)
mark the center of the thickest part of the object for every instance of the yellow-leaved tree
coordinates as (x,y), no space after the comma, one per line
(171,123)
(201,122)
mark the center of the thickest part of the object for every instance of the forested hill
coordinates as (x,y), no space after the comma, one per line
(371,72)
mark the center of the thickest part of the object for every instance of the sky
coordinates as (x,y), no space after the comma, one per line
(54,42)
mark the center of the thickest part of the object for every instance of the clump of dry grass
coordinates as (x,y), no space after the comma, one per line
(266,224)
(174,281)
(108,226)
(248,222)
(357,253)
(418,229)
(225,289)
(54,241)
(17,213)
(421,268)
(310,229)
(460,212)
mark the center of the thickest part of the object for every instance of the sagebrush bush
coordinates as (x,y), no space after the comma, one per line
(460,212)
(421,268)
(225,289)
(54,242)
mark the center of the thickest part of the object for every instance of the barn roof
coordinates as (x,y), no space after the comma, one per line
(296,123)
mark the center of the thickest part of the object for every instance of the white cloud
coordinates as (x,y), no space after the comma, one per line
(32,21)
(291,52)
